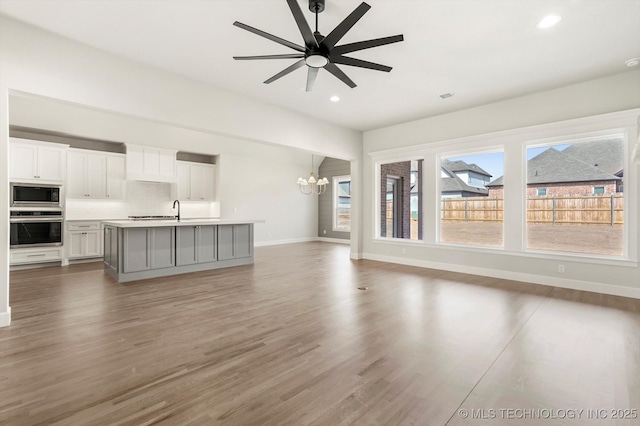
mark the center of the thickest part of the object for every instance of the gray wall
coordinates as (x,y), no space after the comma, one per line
(329,168)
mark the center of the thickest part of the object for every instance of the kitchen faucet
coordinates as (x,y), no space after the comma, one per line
(174,206)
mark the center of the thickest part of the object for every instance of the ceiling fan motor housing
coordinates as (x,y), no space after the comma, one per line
(316,6)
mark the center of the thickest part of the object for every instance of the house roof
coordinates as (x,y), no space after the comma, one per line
(455,184)
(461,166)
(553,166)
(607,155)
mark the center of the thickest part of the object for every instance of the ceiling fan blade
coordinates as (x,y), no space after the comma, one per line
(359,63)
(284,56)
(309,40)
(367,44)
(333,69)
(344,26)
(311,78)
(285,71)
(270,36)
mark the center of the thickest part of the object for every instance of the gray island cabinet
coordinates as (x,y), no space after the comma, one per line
(148,249)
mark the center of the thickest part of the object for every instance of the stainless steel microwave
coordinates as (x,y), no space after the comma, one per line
(35,195)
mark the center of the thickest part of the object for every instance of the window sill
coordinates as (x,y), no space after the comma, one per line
(534,254)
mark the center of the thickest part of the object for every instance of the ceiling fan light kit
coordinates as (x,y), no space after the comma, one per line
(321,51)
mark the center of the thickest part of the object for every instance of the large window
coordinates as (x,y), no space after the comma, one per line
(582,210)
(342,203)
(401,200)
(524,193)
(471,199)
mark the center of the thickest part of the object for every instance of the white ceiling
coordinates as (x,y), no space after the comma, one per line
(482,50)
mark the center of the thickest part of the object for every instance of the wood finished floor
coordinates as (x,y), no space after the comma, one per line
(291,340)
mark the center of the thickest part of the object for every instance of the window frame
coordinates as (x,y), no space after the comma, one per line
(446,155)
(514,143)
(538,194)
(336,180)
(377,176)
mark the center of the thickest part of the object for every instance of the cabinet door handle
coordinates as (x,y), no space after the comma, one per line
(36,255)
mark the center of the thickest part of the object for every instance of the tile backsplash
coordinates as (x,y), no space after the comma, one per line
(142,198)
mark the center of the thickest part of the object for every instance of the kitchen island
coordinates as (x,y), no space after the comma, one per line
(135,250)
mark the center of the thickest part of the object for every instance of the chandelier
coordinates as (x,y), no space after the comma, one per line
(313,185)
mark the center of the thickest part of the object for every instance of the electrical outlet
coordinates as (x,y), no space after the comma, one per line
(324,231)
(561,268)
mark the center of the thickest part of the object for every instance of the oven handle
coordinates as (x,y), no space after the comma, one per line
(34,219)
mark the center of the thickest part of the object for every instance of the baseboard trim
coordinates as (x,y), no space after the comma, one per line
(5,318)
(279,242)
(35,265)
(615,290)
(334,240)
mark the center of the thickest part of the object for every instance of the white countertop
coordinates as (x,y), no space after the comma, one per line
(182,222)
(92,220)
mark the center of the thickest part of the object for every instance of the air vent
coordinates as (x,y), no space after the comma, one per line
(446,95)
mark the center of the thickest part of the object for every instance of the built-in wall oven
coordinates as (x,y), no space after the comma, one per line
(35,228)
(35,195)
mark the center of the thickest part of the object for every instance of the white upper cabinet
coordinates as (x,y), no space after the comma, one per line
(95,175)
(182,182)
(31,161)
(115,176)
(195,181)
(147,163)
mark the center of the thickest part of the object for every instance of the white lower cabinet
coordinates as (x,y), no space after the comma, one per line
(84,239)
(26,256)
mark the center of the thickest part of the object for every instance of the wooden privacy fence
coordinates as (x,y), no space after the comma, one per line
(476,209)
(589,209)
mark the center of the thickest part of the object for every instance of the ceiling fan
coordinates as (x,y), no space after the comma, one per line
(321,51)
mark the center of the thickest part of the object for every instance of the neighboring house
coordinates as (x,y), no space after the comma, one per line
(606,155)
(585,168)
(460,179)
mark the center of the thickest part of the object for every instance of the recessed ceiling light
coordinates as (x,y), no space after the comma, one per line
(548,21)
(334,98)
(632,62)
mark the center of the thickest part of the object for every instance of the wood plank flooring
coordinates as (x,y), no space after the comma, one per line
(291,340)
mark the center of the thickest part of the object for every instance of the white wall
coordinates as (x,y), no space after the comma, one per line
(510,122)
(255,180)
(33,61)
